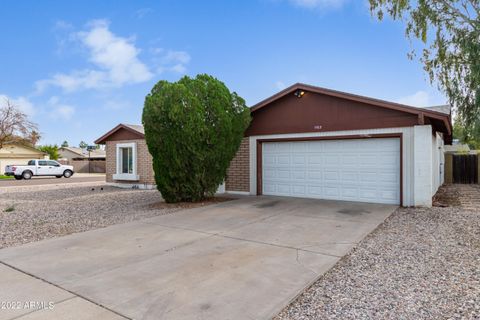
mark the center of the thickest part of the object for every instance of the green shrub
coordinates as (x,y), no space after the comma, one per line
(52,151)
(193,128)
(10,208)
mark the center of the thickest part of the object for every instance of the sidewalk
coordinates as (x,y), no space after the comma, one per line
(25,297)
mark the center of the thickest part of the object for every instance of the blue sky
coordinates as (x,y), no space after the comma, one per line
(80,68)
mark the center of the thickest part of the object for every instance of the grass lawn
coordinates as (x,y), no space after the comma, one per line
(2,177)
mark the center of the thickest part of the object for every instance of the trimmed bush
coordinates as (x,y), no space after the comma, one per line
(193,128)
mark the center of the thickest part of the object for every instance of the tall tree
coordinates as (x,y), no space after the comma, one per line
(83,144)
(450,33)
(64,144)
(14,124)
(34,137)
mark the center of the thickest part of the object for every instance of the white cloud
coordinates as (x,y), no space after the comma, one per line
(280,85)
(65,111)
(59,110)
(115,61)
(22,103)
(170,60)
(314,4)
(141,13)
(418,99)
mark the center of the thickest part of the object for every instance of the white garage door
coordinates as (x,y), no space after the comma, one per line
(365,170)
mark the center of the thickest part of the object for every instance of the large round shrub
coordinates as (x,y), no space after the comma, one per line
(193,129)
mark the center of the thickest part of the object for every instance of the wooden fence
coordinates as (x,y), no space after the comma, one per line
(86,166)
(462,168)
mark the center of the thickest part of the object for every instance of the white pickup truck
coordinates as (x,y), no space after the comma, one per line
(39,168)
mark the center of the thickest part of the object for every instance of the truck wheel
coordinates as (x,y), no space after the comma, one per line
(27,175)
(67,173)
(18,177)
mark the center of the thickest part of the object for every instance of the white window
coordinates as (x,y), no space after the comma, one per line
(126,162)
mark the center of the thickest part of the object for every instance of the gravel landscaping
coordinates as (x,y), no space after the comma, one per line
(421,263)
(34,213)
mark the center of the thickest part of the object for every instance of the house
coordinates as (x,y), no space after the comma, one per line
(129,164)
(312,142)
(82,160)
(73,153)
(18,153)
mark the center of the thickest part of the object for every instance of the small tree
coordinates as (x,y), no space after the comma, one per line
(15,125)
(83,144)
(193,129)
(65,144)
(52,151)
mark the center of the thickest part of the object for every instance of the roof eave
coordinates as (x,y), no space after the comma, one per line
(367,100)
(103,138)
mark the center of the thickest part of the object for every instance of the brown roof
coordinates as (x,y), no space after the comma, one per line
(421,112)
(135,128)
(83,153)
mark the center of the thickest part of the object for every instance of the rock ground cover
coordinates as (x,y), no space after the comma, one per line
(39,212)
(421,263)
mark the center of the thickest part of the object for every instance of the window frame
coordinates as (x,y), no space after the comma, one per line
(118,162)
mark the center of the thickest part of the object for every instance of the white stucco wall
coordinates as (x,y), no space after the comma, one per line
(418,184)
(438,162)
(422,165)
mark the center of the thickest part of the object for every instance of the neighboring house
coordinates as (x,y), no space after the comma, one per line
(73,153)
(312,142)
(82,160)
(17,153)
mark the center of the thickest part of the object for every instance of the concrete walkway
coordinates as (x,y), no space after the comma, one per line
(242,259)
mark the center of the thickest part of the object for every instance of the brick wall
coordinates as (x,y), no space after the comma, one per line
(144,162)
(238,174)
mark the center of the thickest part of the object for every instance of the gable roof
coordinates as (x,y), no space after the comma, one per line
(420,112)
(134,128)
(83,153)
(22,145)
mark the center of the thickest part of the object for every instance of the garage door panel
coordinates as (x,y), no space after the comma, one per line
(299,175)
(331,191)
(283,147)
(283,188)
(315,158)
(299,160)
(331,176)
(300,147)
(269,174)
(314,175)
(331,159)
(349,192)
(368,194)
(349,176)
(389,194)
(388,177)
(299,190)
(283,173)
(349,160)
(269,159)
(283,160)
(355,170)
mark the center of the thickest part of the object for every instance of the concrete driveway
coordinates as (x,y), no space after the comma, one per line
(241,259)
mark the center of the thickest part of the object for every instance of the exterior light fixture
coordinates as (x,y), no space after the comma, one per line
(299,93)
